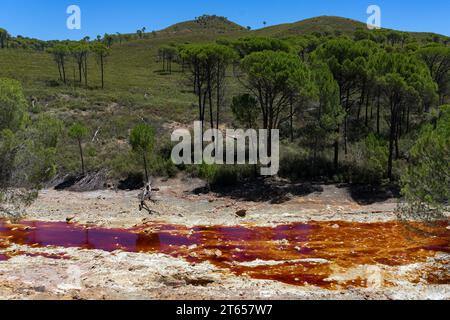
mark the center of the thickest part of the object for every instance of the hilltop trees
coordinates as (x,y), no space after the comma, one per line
(248,45)
(142,140)
(4,36)
(108,40)
(141,32)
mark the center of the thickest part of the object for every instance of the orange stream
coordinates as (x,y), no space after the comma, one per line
(283,248)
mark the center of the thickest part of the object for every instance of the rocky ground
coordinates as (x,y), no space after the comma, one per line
(182,201)
(94,274)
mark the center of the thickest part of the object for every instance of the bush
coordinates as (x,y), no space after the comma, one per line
(297,164)
(222,175)
(369,161)
(162,167)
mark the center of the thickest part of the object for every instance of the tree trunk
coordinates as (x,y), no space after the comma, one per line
(85,72)
(218,99)
(63,71)
(378,113)
(60,72)
(346,134)
(361,101)
(81,156)
(367,108)
(80,74)
(102,71)
(336,151)
(407,118)
(145,167)
(211,115)
(392,137)
(347,110)
(209,91)
(291,118)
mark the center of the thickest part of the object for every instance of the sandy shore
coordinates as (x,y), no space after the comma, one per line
(178,204)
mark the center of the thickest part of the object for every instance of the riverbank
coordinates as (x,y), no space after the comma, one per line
(184,201)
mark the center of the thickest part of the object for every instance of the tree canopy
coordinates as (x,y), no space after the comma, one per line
(142,141)
(426,184)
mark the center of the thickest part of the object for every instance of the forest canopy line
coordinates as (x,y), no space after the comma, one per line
(351,107)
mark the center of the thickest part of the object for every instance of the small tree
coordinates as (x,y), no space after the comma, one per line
(102,52)
(27,153)
(12,105)
(12,110)
(142,142)
(78,132)
(108,40)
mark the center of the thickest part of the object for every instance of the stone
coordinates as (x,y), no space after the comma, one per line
(375,277)
(241,213)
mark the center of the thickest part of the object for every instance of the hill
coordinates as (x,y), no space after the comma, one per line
(323,24)
(209,24)
(330,25)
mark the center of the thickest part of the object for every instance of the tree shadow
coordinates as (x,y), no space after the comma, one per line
(262,190)
(370,194)
(162,72)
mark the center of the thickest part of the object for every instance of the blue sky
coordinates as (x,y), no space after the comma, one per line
(46,19)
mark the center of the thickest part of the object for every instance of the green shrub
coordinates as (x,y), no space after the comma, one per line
(297,164)
(162,167)
(222,175)
(369,160)
(426,182)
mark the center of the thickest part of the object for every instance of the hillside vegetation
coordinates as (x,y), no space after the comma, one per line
(350,102)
